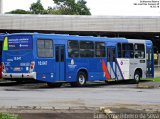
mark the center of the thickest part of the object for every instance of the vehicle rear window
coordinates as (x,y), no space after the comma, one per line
(18,42)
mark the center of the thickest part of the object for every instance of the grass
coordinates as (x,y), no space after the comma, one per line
(8,116)
(153,79)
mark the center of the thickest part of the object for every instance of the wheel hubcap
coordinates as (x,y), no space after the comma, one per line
(81,79)
(137,77)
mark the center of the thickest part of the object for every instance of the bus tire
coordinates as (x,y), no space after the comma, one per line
(81,78)
(54,85)
(136,77)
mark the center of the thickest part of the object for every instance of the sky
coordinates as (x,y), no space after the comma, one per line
(97,7)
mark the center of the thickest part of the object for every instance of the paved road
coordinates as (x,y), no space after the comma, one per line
(95,95)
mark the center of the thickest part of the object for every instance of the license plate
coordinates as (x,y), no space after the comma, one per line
(17,69)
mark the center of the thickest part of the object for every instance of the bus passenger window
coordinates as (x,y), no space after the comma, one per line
(108,55)
(57,54)
(86,49)
(62,54)
(119,50)
(127,50)
(73,48)
(113,55)
(139,51)
(45,48)
(100,49)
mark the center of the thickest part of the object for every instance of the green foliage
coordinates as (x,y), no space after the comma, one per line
(71,7)
(153,79)
(37,8)
(63,7)
(18,11)
(8,116)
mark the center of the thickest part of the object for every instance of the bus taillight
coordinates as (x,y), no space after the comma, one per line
(3,67)
(32,66)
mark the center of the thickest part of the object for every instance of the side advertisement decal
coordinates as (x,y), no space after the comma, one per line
(5,46)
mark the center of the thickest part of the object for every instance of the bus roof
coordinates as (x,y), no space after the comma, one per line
(77,37)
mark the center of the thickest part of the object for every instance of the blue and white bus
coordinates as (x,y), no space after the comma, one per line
(57,58)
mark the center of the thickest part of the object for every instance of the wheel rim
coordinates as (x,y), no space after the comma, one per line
(136,77)
(81,79)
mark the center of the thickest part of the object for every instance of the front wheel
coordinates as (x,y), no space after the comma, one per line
(81,79)
(136,77)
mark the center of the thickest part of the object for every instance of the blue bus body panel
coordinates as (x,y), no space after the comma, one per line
(19,55)
(49,70)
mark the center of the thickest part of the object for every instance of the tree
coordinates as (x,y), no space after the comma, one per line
(63,7)
(82,8)
(37,8)
(71,7)
(18,11)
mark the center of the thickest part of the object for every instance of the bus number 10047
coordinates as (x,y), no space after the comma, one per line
(42,62)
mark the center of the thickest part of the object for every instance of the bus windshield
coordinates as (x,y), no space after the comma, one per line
(18,42)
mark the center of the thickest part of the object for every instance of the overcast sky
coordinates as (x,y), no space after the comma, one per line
(98,7)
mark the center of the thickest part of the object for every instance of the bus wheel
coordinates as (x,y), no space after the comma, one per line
(136,77)
(54,84)
(81,78)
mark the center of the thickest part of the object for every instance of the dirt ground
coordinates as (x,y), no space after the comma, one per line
(93,113)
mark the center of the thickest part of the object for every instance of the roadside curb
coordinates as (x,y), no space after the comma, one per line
(149,85)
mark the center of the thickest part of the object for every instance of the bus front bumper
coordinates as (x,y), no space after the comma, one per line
(19,75)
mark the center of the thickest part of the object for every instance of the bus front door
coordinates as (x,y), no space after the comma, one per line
(111,61)
(150,61)
(59,64)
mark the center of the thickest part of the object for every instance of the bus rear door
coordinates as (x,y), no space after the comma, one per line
(60,62)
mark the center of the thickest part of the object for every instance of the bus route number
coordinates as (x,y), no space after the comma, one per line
(42,63)
(17,58)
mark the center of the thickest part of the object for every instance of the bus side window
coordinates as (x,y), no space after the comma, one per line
(127,50)
(62,54)
(139,51)
(113,55)
(73,48)
(108,55)
(119,50)
(45,48)
(86,49)
(100,49)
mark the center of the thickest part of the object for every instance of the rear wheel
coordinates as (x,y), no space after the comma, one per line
(54,84)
